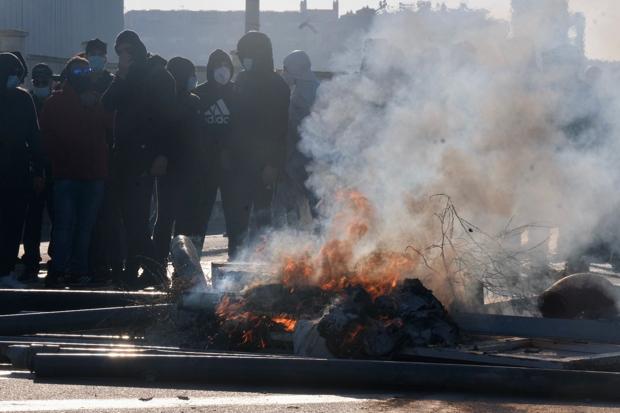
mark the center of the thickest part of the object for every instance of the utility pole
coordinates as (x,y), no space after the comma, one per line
(252,15)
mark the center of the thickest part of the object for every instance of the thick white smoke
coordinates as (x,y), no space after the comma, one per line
(446,102)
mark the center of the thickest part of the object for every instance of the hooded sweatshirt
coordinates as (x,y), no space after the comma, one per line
(304,85)
(187,149)
(219,106)
(144,106)
(20,149)
(264,103)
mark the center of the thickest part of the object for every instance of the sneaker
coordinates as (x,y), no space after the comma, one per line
(54,280)
(30,275)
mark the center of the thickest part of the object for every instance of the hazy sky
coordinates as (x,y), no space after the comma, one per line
(602,40)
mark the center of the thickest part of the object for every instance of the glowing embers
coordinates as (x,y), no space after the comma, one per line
(248,322)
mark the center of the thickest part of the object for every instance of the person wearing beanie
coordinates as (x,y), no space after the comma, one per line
(96,52)
(38,202)
(297,73)
(143,97)
(74,135)
(219,107)
(181,189)
(21,168)
(263,125)
(104,255)
(42,76)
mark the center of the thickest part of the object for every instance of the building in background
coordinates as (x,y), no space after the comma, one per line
(56,28)
(195,34)
(550,23)
(321,14)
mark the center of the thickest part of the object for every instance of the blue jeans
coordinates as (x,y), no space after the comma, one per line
(76,205)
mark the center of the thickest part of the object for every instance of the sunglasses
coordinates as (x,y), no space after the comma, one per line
(41,82)
(81,71)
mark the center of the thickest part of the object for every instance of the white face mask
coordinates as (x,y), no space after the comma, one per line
(248,63)
(191,83)
(222,75)
(290,80)
(12,82)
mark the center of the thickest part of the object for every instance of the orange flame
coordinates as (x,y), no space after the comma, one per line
(288,323)
(335,266)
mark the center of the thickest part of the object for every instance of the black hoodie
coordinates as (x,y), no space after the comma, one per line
(264,104)
(219,106)
(20,149)
(144,105)
(187,149)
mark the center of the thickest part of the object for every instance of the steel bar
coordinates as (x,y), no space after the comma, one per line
(224,369)
(13,301)
(21,355)
(78,320)
(68,339)
(597,331)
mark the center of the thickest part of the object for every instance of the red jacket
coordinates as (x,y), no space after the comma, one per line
(74,136)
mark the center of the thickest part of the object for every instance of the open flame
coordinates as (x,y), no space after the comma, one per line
(335,266)
(241,326)
(288,323)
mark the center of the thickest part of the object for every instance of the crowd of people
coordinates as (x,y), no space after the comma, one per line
(123,162)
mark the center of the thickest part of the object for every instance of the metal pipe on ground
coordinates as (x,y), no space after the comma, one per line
(13,301)
(595,331)
(238,370)
(21,356)
(78,320)
(68,339)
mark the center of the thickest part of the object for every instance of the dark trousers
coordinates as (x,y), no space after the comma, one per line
(76,207)
(12,213)
(235,204)
(257,209)
(167,213)
(186,202)
(106,250)
(37,204)
(134,199)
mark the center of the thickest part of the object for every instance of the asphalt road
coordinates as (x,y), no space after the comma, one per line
(20,393)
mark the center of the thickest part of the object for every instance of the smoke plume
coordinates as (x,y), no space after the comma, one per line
(513,137)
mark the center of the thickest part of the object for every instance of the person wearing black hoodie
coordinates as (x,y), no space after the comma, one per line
(42,77)
(219,106)
(143,96)
(20,158)
(180,190)
(261,132)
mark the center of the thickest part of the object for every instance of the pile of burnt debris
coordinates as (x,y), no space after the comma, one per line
(358,326)
(309,336)
(351,323)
